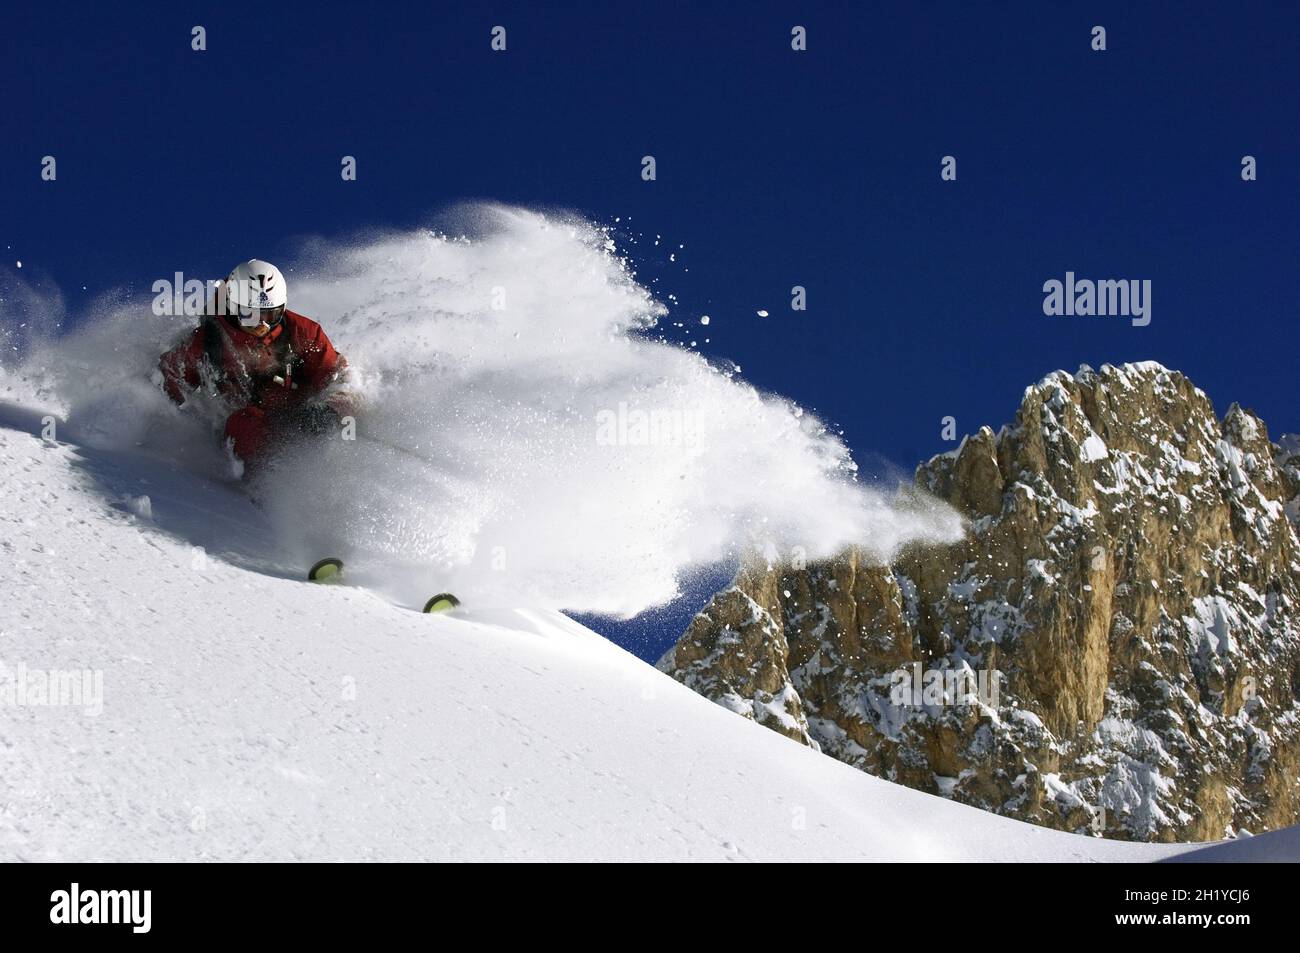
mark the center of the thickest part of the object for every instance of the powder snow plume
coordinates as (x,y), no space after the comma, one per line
(521,441)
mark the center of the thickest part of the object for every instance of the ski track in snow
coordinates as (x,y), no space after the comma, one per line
(229,730)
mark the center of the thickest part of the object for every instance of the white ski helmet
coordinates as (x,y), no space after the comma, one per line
(256,292)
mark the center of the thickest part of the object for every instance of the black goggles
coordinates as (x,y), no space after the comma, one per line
(256,317)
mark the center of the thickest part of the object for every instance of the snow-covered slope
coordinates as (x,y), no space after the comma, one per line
(249,716)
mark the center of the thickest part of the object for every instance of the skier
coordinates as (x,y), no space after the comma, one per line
(274,366)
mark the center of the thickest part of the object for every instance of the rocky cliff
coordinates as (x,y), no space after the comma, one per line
(1114,648)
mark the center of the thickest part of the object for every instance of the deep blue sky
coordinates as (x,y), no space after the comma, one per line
(775,168)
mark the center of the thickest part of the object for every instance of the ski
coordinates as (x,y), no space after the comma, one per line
(330,569)
(442,602)
(326,570)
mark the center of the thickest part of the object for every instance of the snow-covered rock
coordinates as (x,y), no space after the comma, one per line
(1130,577)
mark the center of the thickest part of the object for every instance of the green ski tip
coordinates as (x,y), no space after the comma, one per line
(442,602)
(325,570)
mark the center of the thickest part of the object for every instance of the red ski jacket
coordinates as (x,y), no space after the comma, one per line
(287,367)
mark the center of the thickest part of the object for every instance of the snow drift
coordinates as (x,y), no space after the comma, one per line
(522,442)
(234,716)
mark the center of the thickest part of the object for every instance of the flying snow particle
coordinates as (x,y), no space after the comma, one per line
(704,319)
(516,419)
(762,314)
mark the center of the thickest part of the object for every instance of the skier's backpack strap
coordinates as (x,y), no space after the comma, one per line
(214,347)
